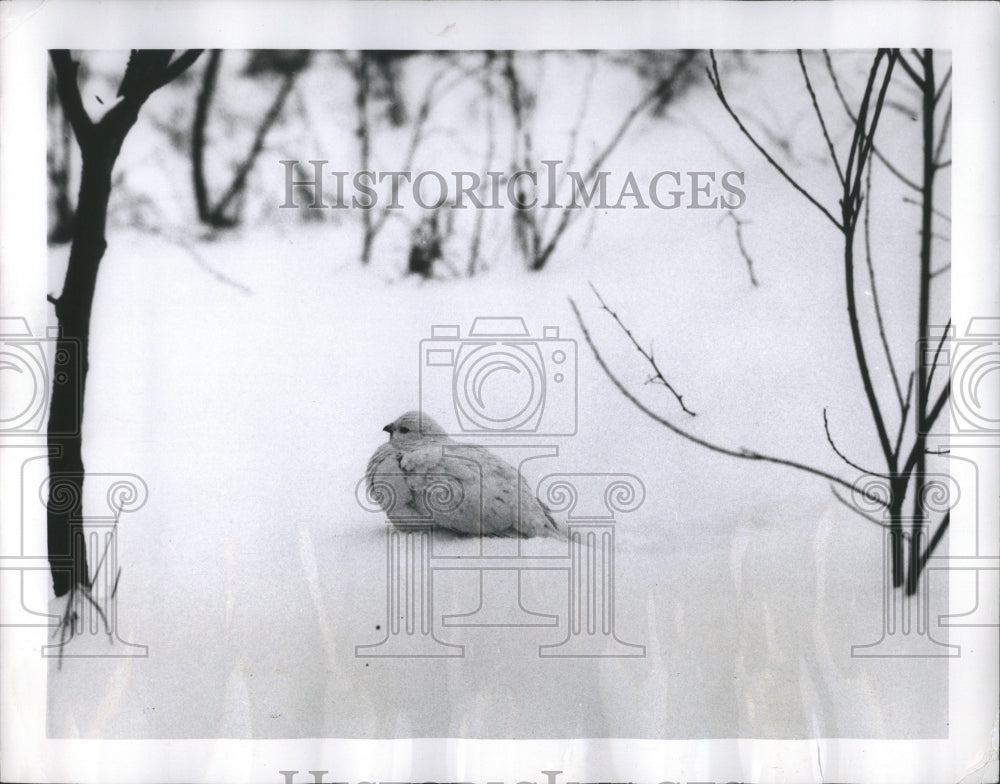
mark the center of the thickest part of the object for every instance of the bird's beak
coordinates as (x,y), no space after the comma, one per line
(388,429)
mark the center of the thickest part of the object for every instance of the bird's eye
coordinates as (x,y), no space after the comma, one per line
(404,430)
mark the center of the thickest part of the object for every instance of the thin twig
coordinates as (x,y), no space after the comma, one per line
(935,412)
(945,127)
(841,455)
(940,270)
(657,376)
(944,83)
(937,353)
(934,542)
(715,79)
(874,288)
(201,262)
(903,414)
(917,79)
(847,108)
(739,241)
(742,453)
(819,116)
(868,138)
(943,215)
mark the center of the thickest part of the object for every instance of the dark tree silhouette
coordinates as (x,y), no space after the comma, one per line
(100,143)
(287,65)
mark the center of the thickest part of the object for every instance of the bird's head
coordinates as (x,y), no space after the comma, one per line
(412,428)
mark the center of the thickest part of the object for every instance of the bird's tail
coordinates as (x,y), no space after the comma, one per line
(552,528)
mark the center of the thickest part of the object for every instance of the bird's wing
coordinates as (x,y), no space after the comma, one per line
(448,487)
(506,504)
(468,490)
(386,483)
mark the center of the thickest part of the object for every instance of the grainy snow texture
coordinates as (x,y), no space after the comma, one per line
(246,376)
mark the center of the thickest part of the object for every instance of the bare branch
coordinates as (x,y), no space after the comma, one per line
(931,418)
(945,127)
(917,79)
(937,353)
(867,139)
(875,150)
(943,215)
(940,270)
(903,414)
(819,116)
(715,79)
(238,182)
(934,542)
(742,453)
(657,376)
(739,241)
(841,455)
(574,134)
(176,68)
(874,288)
(944,83)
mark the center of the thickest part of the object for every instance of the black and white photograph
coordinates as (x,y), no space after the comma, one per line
(508,392)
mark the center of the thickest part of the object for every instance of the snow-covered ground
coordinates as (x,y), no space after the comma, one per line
(250,411)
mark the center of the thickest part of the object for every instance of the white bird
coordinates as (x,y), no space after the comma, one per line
(421,474)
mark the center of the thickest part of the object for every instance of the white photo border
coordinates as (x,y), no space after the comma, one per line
(971,31)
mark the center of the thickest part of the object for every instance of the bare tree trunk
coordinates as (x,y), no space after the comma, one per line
(100,144)
(66,544)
